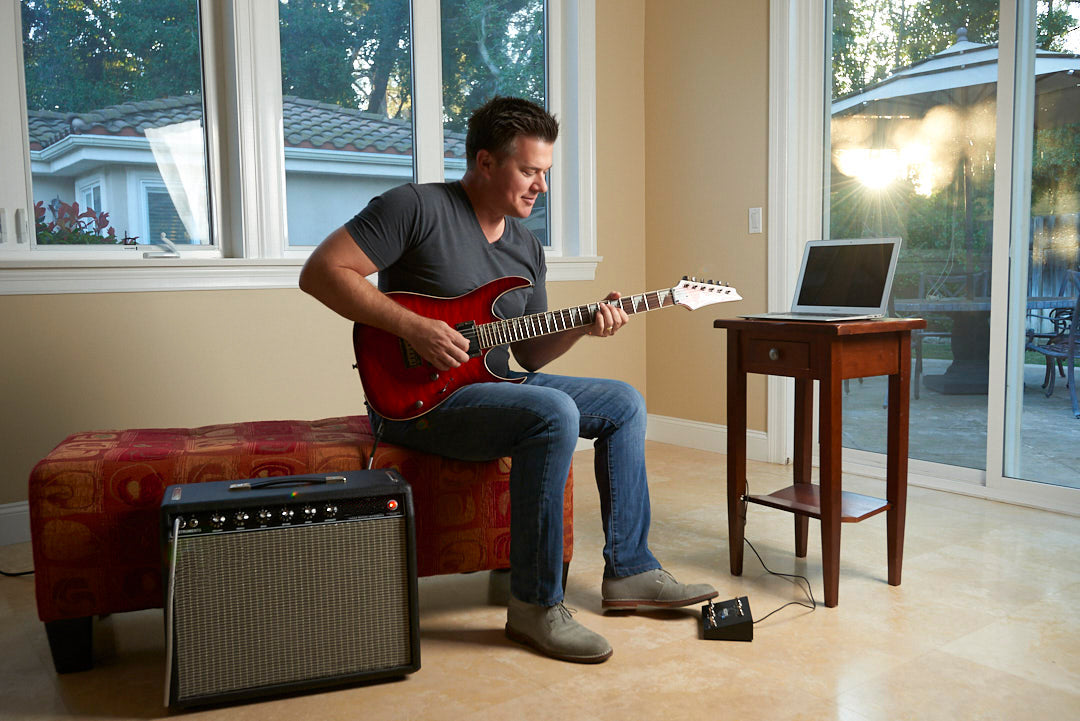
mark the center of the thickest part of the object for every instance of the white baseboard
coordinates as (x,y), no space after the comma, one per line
(14,523)
(703,436)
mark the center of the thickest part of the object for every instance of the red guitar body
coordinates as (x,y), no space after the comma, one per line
(400,385)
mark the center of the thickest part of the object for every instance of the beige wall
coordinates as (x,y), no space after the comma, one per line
(123,360)
(706,147)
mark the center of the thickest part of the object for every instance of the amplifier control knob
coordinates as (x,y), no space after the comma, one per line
(331,510)
(286,514)
(241,516)
(264,515)
(193,523)
(309,512)
(217,519)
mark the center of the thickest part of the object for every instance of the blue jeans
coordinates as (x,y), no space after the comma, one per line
(537,424)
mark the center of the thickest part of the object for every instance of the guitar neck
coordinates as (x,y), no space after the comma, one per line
(503,332)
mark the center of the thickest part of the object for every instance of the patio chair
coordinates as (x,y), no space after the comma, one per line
(1061,345)
(960,285)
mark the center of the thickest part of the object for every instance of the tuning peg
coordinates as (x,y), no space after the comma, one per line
(709,281)
(685,278)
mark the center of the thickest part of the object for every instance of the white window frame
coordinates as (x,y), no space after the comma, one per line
(797,100)
(246,158)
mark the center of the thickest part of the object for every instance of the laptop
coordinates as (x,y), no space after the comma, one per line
(842,280)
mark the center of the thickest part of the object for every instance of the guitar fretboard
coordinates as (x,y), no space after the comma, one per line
(503,332)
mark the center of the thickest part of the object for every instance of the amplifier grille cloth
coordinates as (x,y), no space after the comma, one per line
(273,606)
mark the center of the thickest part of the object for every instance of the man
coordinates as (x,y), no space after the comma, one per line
(446,239)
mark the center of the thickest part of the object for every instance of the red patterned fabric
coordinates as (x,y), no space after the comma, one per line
(94,502)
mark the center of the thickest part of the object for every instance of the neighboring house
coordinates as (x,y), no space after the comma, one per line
(336,159)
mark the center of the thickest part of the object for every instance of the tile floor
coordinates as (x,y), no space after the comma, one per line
(983,627)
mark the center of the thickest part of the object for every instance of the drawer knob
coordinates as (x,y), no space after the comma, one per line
(774,354)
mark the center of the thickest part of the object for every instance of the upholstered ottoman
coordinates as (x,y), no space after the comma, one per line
(94,508)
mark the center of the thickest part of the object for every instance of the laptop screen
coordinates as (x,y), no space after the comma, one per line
(847,275)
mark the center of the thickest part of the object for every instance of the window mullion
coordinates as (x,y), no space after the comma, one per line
(427,90)
(16,200)
(254,135)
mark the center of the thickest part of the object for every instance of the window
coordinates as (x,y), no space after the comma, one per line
(88,192)
(346,109)
(489,48)
(957,142)
(112,88)
(279,139)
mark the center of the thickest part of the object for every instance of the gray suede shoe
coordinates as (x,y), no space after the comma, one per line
(655,588)
(552,631)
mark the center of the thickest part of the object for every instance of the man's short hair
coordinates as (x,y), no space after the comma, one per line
(497,124)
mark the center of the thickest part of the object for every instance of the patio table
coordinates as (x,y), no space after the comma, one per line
(969,371)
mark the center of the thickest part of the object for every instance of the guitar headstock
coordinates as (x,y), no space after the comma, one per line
(693,293)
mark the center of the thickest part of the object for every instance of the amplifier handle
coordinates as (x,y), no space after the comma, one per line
(286,481)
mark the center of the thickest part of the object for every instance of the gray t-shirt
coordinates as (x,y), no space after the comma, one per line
(426,239)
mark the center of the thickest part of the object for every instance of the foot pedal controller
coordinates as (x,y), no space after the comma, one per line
(728,620)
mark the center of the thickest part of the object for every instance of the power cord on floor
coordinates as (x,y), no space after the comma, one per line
(809,590)
(16,573)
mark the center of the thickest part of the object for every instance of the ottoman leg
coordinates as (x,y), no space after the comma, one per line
(71,643)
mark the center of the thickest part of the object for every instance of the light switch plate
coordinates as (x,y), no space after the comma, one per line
(755,220)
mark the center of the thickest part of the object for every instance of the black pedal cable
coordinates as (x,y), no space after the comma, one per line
(16,573)
(809,590)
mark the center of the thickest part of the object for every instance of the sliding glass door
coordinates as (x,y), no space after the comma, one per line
(1041,434)
(956,126)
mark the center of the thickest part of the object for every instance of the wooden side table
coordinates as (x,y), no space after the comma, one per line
(829,353)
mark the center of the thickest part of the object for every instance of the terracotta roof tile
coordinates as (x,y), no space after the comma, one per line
(307,124)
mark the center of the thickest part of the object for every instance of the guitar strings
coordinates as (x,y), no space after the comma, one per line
(502,332)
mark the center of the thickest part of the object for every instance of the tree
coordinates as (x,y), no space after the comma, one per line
(385,54)
(318,47)
(873,39)
(87,54)
(489,48)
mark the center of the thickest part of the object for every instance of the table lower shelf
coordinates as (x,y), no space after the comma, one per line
(805,499)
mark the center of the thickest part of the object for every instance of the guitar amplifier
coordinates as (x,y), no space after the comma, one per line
(289,583)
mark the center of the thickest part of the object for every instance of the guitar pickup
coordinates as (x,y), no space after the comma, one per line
(409,356)
(468,329)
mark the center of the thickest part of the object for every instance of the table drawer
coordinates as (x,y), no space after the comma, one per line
(768,355)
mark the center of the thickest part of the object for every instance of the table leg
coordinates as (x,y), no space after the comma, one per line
(803,451)
(830,423)
(736,452)
(896,461)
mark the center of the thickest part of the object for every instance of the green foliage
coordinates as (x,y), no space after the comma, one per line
(490,47)
(86,54)
(317,50)
(874,38)
(1055,171)
(950,230)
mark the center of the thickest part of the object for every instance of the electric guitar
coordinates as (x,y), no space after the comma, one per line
(401,385)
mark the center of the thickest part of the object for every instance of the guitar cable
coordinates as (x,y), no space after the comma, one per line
(378,434)
(794,577)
